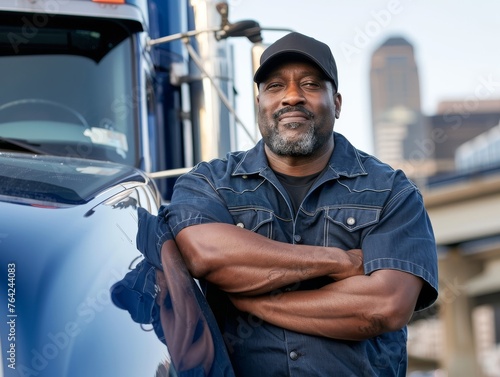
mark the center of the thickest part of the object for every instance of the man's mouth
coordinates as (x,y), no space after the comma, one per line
(293,114)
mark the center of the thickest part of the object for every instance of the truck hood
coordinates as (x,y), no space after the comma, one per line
(61,181)
(67,234)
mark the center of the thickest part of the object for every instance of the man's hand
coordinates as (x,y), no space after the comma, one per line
(354,265)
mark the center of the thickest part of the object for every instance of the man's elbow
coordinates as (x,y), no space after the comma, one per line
(195,255)
(387,317)
(395,307)
(196,263)
(395,316)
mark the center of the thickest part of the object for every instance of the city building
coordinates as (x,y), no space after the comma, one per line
(454,156)
(396,110)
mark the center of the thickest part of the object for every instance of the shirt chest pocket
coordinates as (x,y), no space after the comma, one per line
(257,220)
(345,226)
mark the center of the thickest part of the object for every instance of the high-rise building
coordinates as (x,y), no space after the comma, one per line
(397,118)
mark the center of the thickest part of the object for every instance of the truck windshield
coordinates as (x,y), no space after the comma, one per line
(62,98)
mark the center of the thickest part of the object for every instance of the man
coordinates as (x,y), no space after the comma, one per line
(315,254)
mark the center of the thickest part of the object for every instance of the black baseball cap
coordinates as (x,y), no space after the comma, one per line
(301,45)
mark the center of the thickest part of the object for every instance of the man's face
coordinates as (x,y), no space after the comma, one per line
(297,109)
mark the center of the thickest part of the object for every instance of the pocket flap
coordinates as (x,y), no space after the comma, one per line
(354,218)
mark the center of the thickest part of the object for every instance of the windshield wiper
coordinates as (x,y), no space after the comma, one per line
(17,145)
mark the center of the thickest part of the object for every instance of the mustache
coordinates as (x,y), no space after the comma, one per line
(290,109)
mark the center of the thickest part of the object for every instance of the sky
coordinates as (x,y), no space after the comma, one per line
(456,45)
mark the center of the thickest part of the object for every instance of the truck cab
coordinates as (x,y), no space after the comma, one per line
(90,109)
(72,84)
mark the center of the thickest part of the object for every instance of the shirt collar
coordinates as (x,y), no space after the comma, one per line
(345,160)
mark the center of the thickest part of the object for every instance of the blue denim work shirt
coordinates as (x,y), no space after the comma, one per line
(358,202)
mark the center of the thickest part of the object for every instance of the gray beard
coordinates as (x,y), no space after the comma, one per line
(283,147)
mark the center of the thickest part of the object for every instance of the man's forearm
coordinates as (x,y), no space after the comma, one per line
(240,261)
(356,308)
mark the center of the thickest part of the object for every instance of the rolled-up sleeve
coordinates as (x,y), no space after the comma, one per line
(195,201)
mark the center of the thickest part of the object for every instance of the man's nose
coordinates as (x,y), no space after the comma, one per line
(293,95)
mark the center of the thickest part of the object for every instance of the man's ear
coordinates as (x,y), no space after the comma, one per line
(337,99)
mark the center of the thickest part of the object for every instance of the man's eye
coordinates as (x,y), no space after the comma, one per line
(310,84)
(274,85)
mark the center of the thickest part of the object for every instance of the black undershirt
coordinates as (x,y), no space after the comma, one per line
(297,187)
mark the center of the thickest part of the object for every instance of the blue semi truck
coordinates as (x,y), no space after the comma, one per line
(102,104)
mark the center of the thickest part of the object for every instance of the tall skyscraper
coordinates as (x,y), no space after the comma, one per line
(398,124)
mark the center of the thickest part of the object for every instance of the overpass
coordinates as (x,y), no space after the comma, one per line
(465,213)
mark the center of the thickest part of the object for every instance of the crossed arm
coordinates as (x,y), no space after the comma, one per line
(250,267)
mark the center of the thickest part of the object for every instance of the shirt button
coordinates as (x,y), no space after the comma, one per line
(294,355)
(244,176)
(297,238)
(240,225)
(351,221)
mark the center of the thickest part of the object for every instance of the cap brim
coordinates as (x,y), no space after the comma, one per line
(264,69)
